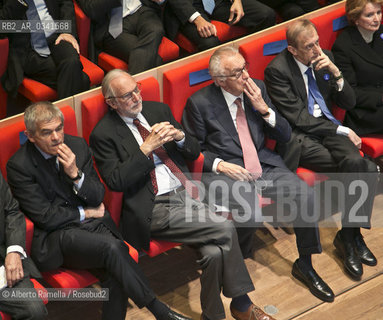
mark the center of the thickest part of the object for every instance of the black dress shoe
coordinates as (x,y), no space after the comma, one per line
(314,282)
(172,315)
(351,260)
(365,254)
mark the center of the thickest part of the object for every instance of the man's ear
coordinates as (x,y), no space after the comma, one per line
(29,136)
(111,103)
(292,50)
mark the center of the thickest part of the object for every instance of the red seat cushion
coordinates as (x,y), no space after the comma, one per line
(372,144)
(36,91)
(310,177)
(176,88)
(167,50)
(157,247)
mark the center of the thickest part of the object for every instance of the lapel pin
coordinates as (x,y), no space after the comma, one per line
(326,76)
(381,36)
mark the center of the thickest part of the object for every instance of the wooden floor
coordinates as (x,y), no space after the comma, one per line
(175,278)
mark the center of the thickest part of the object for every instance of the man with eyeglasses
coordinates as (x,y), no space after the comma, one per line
(140,150)
(303,83)
(230,118)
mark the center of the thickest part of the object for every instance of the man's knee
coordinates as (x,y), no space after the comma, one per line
(206,43)
(358,164)
(35,310)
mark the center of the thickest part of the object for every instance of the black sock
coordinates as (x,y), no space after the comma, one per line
(305,262)
(241,303)
(159,309)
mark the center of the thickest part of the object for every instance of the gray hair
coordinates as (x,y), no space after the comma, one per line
(107,90)
(43,111)
(295,29)
(215,68)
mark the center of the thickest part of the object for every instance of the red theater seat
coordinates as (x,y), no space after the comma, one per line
(176,87)
(167,50)
(324,25)
(225,33)
(4,48)
(252,51)
(37,91)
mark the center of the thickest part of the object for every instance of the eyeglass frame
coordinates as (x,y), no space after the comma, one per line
(126,97)
(236,74)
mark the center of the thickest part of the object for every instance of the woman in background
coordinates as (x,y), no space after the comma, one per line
(358,52)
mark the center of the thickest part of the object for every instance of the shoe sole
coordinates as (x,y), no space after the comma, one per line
(298,277)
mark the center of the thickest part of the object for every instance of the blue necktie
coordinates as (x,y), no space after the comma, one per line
(38,39)
(115,23)
(208,6)
(314,96)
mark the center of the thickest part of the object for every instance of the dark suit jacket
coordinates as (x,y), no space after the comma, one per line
(99,12)
(125,168)
(362,66)
(12,226)
(287,90)
(49,200)
(207,117)
(19,43)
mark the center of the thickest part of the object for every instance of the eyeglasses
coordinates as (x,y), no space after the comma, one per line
(236,73)
(311,46)
(129,95)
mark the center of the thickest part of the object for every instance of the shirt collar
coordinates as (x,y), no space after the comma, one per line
(129,120)
(45,155)
(230,98)
(302,67)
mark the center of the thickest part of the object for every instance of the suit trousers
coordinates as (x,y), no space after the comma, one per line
(93,246)
(24,309)
(139,41)
(339,157)
(180,218)
(61,70)
(294,199)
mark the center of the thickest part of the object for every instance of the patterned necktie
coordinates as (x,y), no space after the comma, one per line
(314,96)
(161,153)
(209,6)
(38,39)
(115,23)
(250,154)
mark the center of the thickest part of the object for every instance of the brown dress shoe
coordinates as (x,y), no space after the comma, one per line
(253,313)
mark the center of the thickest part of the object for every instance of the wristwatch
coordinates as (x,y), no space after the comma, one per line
(266,113)
(79,175)
(23,3)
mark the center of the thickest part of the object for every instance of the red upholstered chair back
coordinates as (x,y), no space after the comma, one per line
(94,108)
(253,53)
(83,29)
(10,136)
(4,48)
(324,25)
(176,85)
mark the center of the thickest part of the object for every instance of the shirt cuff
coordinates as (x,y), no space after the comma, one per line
(340,84)
(17,248)
(271,118)
(82,213)
(342,130)
(78,184)
(215,165)
(180,144)
(194,16)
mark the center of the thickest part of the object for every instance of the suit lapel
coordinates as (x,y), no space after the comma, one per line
(128,141)
(50,178)
(297,77)
(222,113)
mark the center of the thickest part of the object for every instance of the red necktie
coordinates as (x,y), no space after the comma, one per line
(250,154)
(161,153)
